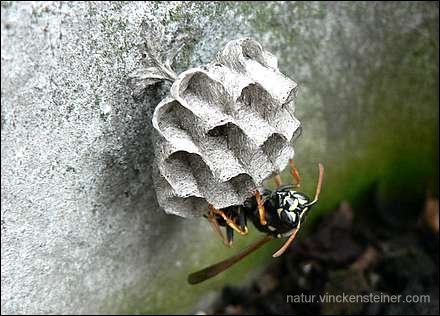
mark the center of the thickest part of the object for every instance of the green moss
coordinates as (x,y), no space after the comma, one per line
(181,297)
(380,132)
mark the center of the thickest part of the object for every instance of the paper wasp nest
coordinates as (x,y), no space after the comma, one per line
(225,128)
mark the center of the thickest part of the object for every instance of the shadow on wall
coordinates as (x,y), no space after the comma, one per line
(126,185)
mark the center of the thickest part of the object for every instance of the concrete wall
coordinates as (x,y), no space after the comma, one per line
(81,231)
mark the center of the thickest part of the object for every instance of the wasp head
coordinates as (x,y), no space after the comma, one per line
(292,207)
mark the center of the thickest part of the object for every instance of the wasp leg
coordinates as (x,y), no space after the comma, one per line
(215,226)
(229,221)
(229,235)
(241,218)
(278,181)
(295,173)
(261,209)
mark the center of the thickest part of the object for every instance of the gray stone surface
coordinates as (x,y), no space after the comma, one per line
(80,228)
(79,217)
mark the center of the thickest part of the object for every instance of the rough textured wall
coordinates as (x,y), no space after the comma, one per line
(79,219)
(80,228)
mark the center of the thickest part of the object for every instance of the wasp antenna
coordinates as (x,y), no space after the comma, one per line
(318,186)
(287,243)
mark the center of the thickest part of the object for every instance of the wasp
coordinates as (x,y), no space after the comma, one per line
(278,214)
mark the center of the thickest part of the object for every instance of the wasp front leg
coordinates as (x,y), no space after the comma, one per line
(261,209)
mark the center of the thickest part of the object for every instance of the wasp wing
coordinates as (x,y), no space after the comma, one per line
(211,271)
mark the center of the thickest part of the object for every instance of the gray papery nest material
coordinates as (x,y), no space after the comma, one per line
(224,129)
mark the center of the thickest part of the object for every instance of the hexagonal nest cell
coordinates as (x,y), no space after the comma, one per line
(224,129)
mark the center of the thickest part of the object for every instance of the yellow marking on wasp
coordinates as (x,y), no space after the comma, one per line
(271,228)
(294,205)
(293,216)
(302,201)
(279,211)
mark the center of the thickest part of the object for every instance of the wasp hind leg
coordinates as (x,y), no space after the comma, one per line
(216,226)
(229,235)
(278,181)
(241,230)
(241,218)
(295,173)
